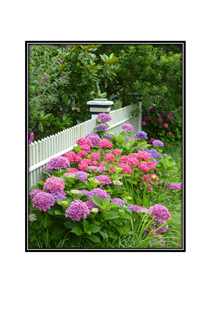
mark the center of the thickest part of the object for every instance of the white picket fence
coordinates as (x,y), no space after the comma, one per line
(41,152)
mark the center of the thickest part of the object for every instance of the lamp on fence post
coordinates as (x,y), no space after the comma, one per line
(99,106)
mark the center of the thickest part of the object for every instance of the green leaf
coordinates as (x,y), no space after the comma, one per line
(35,187)
(41,128)
(58,234)
(108,168)
(46,221)
(93,238)
(51,212)
(77,231)
(64,117)
(94,228)
(97,201)
(65,97)
(123,230)
(86,226)
(106,203)
(113,235)
(41,183)
(59,213)
(94,182)
(59,201)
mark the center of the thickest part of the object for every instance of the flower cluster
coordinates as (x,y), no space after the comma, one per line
(54,184)
(141,135)
(82,175)
(104,179)
(127,127)
(173,186)
(94,138)
(104,117)
(59,194)
(105,144)
(43,201)
(158,143)
(77,210)
(101,127)
(57,163)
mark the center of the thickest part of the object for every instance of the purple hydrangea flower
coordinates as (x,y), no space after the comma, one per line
(34,192)
(85,192)
(43,201)
(45,79)
(155,161)
(173,186)
(158,143)
(166,155)
(106,136)
(136,208)
(105,179)
(57,163)
(99,193)
(127,127)
(77,210)
(101,127)
(116,97)
(141,135)
(104,117)
(101,169)
(82,175)
(94,138)
(118,201)
(31,137)
(91,205)
(160,213)
(59,194)
(154,153)
(127,139)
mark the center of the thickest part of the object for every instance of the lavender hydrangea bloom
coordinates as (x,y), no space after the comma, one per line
(173,186)
(34,192)
(59,194)
(155,161)
(154,153)
(106,136)
(104,179)
(99,193)
(94,138)
(136,208)
(91,205)
(127,139)
(31,137)
(57,163)
(77,210)
(141,135)
(127,127)
(101,127)
(43,201)
(160,212)
(104,117)
(118,201)
(158,143)
(164,154)
(85,192)
(82,175)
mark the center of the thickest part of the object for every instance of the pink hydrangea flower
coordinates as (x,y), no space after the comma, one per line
(170,133)
(144,123)
(88,161)
(165,125)
(168,120)
(83,141)
(85,148)
(132,161)
(43,201)
(159,120)
(82,154)
(123,159)
(154,177)
(152,110)
(105,144)
(143,167)
(92,168)
(127,127)
(109,157)
(151,165)
(116,151)
(151,140)
(54,184)
(34,192)
(95,156)
(148,118)
(70,156)
(73,170)
(143,155)
(105,179)
(95,163)
(126,168)
(77,159)
(83,166)
(145,177)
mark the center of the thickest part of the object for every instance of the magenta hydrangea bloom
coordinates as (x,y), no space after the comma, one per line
(34,192)
(77,210)
(59,194)
(43,201)
(105,144)
(118,201)
(54,184)
(105,179)
(57,163)
(31,137)
(104,117)
(83,141)
(158,143)
(128,127)
(159,120)
(160,212)
(174,186)
(101,127)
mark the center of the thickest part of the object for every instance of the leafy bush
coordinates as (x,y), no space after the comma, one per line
(104,192)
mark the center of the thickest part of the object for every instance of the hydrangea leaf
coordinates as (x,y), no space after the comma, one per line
(77,231)
(93,238)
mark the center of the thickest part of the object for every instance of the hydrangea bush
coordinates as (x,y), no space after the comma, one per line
(104,189)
